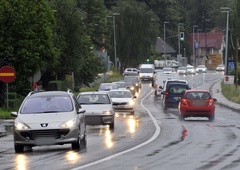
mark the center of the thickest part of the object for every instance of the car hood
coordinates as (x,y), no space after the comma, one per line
(60,117)
(121,100)
(97,108)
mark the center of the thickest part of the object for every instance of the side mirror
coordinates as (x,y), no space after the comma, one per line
(214,99)
(81,110)
(14,114)
(160,87)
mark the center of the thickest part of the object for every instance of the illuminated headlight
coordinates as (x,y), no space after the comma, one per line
(151,75)
(107,112)
(136,84)
(20,126)
(69,123)
(131,88)
(131,103)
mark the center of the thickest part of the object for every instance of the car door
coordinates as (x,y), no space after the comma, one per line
(81,117)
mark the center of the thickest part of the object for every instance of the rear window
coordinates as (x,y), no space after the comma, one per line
(177,89)
(198,95)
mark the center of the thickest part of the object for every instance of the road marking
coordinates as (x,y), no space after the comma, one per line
(155,135)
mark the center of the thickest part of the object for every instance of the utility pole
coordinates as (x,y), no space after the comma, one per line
(164,31)
(194,57)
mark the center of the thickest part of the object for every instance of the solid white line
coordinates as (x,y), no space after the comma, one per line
(155,135)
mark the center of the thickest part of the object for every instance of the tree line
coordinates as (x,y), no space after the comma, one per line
(58,37)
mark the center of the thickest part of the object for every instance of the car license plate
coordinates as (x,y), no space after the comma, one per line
(198,103)
(45,141)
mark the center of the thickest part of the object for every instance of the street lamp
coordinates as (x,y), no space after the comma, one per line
(194,58)
(198,44)
(164,40)
(226,9)
(114,40)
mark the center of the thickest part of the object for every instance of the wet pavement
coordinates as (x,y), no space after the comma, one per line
(6,124)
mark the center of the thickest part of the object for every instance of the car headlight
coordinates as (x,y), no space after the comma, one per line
(131,103)
(20,126)
(69,123)
(107,112)
(136,84)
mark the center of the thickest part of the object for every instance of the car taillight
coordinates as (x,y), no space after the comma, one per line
(184,102)
(211,102)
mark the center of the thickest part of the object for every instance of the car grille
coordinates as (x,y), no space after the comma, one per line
(55,133)
(116,104)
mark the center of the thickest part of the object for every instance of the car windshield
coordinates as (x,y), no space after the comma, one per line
(107,87)
(181,68)
(93,99)
(47,105)
(201,66)
(146,70)
(120,94)
(120,84)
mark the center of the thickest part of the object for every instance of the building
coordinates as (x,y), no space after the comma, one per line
(206,44)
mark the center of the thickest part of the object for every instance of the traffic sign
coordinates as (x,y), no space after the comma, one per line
(228,79)
(7,74)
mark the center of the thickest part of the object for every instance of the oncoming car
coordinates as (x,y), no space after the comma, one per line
(201,69)
(49,118)
(197,103)
(99,108)
(123,101)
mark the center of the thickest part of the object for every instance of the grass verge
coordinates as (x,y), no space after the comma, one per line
(231,92)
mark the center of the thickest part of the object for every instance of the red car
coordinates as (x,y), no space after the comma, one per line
(197,103)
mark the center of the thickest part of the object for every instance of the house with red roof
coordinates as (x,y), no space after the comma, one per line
(206,44)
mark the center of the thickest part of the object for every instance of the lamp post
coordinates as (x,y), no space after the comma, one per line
(198,44)
(226,9)
(164,40)
(114,39)
(194,58)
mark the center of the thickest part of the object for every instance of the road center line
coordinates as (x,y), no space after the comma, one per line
(155,135)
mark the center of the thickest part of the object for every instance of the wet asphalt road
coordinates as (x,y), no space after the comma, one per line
(151,139)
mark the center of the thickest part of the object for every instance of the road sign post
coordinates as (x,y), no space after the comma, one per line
(7,75)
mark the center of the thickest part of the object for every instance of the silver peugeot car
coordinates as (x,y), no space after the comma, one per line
(49,118)
(99,108)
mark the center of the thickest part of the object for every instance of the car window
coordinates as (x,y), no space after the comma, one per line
(93,99)
(198,95)
(177,89)
(120,94)
(47,104)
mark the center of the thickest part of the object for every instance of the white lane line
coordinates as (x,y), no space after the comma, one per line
(155,135)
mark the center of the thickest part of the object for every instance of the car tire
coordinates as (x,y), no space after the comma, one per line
(19,148)
(181,117)
(76,145)
(212,117)
(132,113)
(83,141)
(111,126)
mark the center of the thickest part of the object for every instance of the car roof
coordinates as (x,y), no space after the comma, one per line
(94,92)
(192,90)
(49,93)
(119,90)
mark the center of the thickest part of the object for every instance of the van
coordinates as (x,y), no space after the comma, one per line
(160,79)
(147,72)
(173,95)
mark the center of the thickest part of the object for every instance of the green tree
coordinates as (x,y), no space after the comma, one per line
(136,32)
(26,36)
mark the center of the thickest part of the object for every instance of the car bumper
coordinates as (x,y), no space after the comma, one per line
(99,119)
(45,137)
(123,108)
(197,113)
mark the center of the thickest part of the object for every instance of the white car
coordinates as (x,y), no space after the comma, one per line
(167,70)
(99,108)
(49,118)
(182,70)
(201,69)
(123,101)
(191,70)
(220,67)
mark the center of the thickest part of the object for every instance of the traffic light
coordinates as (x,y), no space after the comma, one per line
(206,58)
(147,60)
(182,36)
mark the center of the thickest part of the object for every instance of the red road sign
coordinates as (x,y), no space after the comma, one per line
(7,74)
(226,78)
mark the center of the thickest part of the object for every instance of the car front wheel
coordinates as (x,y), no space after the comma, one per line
(19,148)
(111,125)
(212,117)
